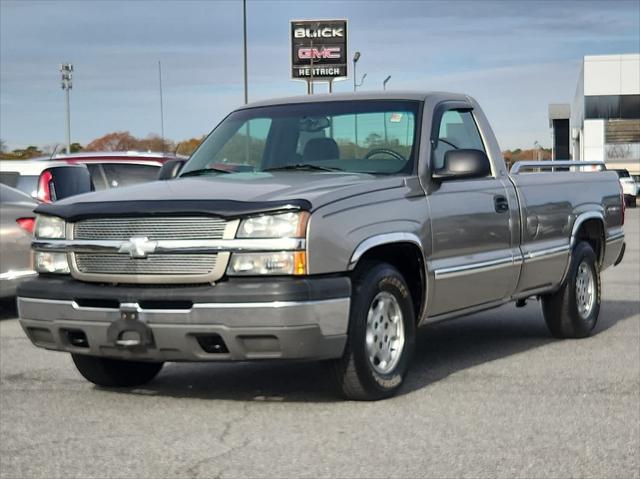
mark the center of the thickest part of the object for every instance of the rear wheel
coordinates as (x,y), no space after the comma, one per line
(381,334)
(572,311)
(109,372)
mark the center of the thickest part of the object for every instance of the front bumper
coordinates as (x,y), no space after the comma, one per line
(255,319)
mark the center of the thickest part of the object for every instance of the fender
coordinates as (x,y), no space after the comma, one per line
(383,239)
(580,219)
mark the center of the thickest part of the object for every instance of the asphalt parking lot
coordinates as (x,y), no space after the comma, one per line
(490,395)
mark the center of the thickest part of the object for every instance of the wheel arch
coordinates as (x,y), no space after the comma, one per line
(589,227)
(403,251)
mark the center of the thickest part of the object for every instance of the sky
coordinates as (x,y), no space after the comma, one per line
(514,57)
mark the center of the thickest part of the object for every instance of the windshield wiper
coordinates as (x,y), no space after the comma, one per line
(203,171)
(304,166)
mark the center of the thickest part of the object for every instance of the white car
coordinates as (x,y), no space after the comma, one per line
(629,187)
(107,169)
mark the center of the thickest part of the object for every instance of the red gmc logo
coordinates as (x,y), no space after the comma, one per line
(306,53)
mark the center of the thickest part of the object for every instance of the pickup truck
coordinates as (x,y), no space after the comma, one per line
(320,228)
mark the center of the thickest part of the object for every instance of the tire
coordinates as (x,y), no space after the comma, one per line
(378,289)
(115,373)
(563,313)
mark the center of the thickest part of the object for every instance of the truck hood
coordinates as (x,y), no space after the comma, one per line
(232,194)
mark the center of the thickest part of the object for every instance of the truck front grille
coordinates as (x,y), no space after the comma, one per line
(155,268)
(153,228)
(161,264)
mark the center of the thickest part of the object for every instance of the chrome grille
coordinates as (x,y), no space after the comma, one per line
(155,268)
(166,228)
(156,264)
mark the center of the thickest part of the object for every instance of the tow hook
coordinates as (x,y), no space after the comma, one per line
(130,331)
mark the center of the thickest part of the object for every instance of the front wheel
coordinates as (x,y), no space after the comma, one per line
(111,373)
(572,311)
(381,334)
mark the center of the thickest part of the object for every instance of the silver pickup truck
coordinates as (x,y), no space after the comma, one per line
(322,227)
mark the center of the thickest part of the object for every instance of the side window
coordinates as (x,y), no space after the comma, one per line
(122,174)
(458,131)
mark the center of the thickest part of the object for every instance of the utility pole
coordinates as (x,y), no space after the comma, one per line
(66,69)
(161,106)
(244,24)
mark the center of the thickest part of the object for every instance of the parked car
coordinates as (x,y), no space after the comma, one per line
(629,187)
(308,242)
(17,220)
(108,169)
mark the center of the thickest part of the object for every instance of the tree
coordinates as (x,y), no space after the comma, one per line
(187,147)
(116,141)
(374,140)
(154,142)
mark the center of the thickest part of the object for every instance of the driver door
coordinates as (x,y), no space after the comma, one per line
(472,257)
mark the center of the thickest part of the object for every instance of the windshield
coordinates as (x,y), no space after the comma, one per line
(623,173)
(372,136)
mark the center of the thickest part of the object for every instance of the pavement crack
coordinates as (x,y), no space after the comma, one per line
(223,437)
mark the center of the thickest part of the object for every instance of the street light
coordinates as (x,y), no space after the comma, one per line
(384,83)
(356,57)
(66,69)
(361,81)
(536,152)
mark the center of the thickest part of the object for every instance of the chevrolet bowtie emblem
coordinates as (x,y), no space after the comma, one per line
(138,247)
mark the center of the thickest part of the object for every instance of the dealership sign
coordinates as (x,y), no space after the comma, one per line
(318,49)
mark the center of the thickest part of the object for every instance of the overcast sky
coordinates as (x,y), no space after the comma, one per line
(515,57)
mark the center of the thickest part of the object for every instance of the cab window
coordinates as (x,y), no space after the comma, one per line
(458,131)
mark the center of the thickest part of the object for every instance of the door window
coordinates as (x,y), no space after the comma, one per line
(458,131)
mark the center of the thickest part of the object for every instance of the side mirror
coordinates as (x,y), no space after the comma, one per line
(170,169)
(459,164)
(60,182)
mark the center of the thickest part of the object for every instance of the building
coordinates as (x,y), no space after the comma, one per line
(604,119)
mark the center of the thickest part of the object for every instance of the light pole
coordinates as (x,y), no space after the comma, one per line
(66,69)
(161,105)
(361,81)
(536,153)
(356,57)
(244,30)
(384,83)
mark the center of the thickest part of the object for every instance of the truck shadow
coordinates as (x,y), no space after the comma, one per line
(8,308)
(441,350)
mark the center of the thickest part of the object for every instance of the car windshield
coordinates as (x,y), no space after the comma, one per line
(373,136)
(623,173)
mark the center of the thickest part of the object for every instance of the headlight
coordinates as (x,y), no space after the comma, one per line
(253,264)
(50,227)
(51,262)
(283,225)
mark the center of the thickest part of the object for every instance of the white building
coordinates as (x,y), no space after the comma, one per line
(605,113)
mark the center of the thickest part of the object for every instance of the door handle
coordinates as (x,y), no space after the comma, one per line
(501,204)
